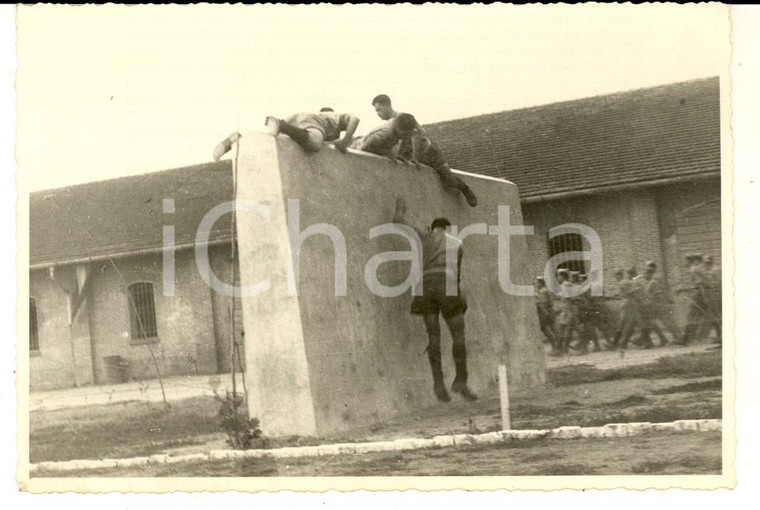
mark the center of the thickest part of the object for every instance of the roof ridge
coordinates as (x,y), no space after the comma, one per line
(150,174)
(588,99)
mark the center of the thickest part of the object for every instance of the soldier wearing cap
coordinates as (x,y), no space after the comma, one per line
(587,318)
(600,316)
(713,299)
(619,275)
(659,304)
(566,319)
(545,308)
(577,303)
(634,311)
(695,317)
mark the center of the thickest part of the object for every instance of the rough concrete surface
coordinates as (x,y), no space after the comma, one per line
(321,362)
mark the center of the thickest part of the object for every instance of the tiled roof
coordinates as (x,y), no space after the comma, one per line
(630,137)
(126,214)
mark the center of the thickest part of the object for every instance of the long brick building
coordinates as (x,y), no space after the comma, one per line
(641,168)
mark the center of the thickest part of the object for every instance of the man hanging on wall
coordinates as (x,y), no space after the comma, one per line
(432,300)
(413,145)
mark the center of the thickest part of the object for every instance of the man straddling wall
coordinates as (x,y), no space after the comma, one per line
(309,130)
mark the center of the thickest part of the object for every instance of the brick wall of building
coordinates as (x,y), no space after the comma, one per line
(672,200)
(634,227)
(625,222)
(185,324)
(64,356)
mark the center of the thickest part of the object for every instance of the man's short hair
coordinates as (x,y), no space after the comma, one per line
(326,109)
(382,99)
(406,122)
(440,222)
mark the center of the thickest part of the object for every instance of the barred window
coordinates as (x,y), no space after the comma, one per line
(142,311)
(565,243)
(34,341)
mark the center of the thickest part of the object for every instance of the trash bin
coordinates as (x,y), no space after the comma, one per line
(116,369)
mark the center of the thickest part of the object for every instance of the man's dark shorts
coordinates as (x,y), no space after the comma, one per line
(435,300)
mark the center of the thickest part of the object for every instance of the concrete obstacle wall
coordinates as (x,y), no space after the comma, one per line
(318,362)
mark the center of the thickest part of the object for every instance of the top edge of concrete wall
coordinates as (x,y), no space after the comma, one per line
(328,146)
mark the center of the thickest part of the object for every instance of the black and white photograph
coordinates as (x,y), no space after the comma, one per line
(367,247)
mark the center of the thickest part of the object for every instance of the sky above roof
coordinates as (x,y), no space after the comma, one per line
(107,91)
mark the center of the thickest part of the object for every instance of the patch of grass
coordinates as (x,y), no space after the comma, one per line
(542,457)
(701,462)
(701,364)
(258,467)
(712,384)
(663,413)
(651,466)
(568,469)
(114,431)
(633,400)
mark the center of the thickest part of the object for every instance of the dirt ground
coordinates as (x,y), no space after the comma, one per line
(677,387)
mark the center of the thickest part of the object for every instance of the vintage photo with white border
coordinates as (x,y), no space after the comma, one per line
(430,247)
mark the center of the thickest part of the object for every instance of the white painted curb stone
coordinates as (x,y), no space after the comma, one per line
(329,450)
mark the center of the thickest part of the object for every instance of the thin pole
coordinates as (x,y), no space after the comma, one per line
(504,398)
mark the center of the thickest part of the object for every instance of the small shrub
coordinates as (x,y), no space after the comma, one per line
(242,433)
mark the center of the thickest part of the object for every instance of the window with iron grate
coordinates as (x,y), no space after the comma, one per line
(34,340)
(566,243)
(142,311)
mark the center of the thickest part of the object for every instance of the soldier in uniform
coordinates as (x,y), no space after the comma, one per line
(695,317)
(660,303)
(713,298)
(635,311)
(566,318)
(601,317)
(619,275)
(651,296)
(587,318)
(545,308)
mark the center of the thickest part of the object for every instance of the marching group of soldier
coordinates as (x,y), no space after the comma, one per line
(641,303)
